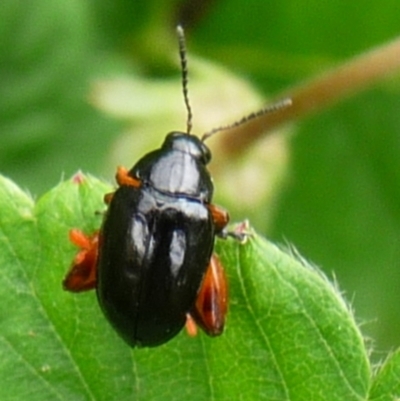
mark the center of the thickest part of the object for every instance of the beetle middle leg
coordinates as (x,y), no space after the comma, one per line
(82,273)
(221,219)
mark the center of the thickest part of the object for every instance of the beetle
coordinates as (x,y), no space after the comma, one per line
(152,262)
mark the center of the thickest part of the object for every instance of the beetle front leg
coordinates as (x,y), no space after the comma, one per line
(83,272)
(212,301)
(123,178)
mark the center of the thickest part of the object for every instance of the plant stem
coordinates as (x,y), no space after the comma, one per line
(318,93)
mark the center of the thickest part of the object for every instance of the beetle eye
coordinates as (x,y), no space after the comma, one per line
(206,154)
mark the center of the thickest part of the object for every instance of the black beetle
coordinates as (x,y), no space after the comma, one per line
(152,262)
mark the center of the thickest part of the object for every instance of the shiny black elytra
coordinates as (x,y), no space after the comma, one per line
(152,262)
(161,237)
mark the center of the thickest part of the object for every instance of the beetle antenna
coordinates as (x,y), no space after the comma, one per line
(182,55)
(266,110)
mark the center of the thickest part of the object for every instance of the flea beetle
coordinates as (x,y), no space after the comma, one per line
(152,262)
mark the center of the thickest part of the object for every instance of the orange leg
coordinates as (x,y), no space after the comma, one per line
(82,273)
(212,300)
(123,178)
(191,327)
(220,217)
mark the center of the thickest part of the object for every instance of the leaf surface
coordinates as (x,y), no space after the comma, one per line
(289,336)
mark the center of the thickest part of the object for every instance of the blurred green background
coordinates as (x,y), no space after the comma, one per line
(340,202)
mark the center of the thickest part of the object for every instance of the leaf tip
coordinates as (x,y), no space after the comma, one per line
(78,178)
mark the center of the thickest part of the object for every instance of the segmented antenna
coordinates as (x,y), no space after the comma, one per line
(266,110)
(182,54)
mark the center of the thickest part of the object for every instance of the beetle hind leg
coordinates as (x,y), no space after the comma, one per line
(211,304)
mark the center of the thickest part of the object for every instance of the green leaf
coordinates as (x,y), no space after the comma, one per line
(386,384)
(340,207)
(289,336)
